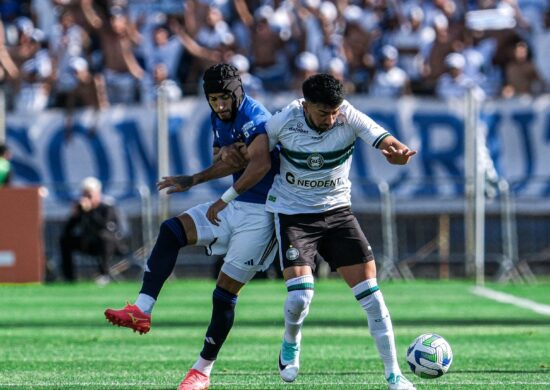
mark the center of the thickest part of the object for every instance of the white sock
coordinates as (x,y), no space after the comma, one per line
(371,300)
(300,294)
(145,303)
(204,366)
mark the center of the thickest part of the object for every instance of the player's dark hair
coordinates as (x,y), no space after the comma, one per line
(323,88)
(224,78)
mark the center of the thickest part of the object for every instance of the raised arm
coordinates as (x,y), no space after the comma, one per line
(193,46)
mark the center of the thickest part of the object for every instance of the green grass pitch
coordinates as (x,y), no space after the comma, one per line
(55,337)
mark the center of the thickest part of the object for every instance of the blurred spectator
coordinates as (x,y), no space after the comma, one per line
(94,229)
(521,74)
(202,55)
(160,79)
(332,43)
(25,46)
(88,90)
(478,51)
(311,22)
(437,9)
(67,42)
(160,47)
(530,14)
(44,13)
(454,83)
(389,80)
(212,42)
(267,55)
(357,48)
(435,54)
(121,69)
(270,34)
(541,46)
(5,166)
(215,33)
(252,85)
(36,72)
(412,40)
(307,65)
(8,69)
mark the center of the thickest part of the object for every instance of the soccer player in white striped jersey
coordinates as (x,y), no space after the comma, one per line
(311,201)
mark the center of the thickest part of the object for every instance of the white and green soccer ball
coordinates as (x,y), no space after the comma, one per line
(429,356)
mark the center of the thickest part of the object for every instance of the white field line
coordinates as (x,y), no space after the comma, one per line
(512,299)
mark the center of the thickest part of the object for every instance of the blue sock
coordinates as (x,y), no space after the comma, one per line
(223,315)
(163,257)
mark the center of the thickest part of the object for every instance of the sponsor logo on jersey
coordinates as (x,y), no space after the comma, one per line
(292,253)
(299,128)
(307,183)
(290,178)
(315,161)
(247,126)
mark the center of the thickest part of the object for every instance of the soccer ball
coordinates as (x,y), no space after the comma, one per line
(429,356)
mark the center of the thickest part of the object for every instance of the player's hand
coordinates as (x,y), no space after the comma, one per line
(236,155)
(176,183)
(213,210)
(398,156)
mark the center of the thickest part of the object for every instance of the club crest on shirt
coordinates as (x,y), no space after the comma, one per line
(292,253)
(315,161)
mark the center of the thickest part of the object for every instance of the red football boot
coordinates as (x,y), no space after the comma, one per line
(130,317)
(194,380)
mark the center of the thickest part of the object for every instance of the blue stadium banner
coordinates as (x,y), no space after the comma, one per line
(118,146)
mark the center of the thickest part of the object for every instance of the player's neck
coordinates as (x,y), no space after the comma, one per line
(311,125)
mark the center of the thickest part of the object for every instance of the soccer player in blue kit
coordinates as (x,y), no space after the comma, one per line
(243,231)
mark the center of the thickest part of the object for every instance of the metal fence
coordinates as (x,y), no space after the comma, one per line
(407,243)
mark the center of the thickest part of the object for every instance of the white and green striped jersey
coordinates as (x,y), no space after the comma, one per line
(315,166)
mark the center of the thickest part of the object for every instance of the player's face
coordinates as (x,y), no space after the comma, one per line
(221,104)
(321,116)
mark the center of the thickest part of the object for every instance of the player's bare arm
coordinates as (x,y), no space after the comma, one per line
(258,165)
(396,152)
(220,168)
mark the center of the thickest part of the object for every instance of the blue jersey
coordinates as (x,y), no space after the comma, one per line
(248,123)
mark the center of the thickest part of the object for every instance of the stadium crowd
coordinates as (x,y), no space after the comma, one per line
(73,53)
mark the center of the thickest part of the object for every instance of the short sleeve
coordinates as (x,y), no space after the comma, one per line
(253,128)
(275,125)
(365,128)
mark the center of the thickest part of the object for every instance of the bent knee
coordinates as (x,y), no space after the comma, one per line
(299,301)
(173,230)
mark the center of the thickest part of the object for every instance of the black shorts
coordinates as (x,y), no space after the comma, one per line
(335,235)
